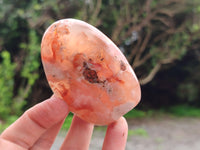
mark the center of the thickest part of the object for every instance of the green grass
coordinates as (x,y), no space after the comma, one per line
(174,111)
(138,114)
(67,122)
(138,132)
(184,111)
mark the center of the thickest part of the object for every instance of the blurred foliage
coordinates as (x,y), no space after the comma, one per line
(7,122)
(67,123)
(31,63)
(6,84)
(188,91)
(154,35)
(184,111)
(137,114)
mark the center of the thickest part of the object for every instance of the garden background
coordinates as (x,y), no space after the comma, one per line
(160,39)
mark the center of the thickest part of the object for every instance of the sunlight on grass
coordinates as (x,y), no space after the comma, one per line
(138,132)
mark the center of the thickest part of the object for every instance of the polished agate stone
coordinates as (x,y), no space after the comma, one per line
(87,70)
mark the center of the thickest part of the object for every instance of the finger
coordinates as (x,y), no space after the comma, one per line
(79,135)
(47,139)
(116,135)
(35,121)
(7,145)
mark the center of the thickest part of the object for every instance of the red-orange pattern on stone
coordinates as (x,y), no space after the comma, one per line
(88,71)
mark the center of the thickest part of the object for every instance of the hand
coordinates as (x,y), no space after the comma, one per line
(37,128)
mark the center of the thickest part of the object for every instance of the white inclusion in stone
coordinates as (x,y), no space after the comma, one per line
(122,109)
(54,70)
(79,68)
(81,100)
(80,78)
(133,93)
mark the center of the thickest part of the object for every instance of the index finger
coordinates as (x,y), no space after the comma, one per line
(116,135)
(35,121)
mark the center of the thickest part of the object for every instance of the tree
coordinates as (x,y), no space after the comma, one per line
(151,33)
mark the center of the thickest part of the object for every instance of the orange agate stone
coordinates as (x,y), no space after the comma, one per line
(87,70)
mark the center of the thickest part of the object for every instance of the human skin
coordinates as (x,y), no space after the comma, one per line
(37,128)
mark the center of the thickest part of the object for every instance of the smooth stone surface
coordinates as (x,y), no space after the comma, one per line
(88,71)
